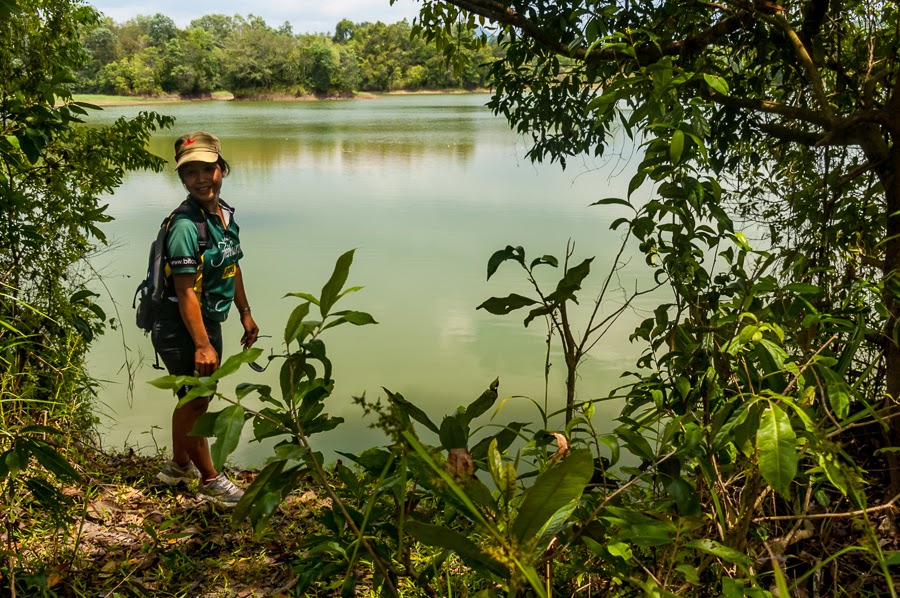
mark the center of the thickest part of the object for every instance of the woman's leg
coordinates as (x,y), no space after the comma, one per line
(191,449)
(174,345)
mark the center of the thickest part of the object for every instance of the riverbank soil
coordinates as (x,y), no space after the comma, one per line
(132,535)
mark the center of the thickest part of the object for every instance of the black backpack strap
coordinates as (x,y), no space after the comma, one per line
(196,214)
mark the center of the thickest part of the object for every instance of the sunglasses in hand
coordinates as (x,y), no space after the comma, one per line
(255,366)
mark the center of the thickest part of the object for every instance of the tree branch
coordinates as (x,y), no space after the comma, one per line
(791,135)
(769,107)
(647,53)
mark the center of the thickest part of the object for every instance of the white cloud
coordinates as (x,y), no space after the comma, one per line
(306,16)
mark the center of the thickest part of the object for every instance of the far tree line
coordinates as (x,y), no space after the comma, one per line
(150,55)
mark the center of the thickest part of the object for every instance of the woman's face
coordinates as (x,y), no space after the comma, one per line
(203,180)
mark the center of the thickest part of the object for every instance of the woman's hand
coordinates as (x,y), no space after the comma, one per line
(206,360)
(251,330)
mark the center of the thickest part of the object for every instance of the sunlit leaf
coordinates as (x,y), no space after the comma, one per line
(227,430)
(555,488)
(336,283)
(776,444)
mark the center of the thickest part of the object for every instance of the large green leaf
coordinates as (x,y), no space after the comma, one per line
(233,363)
(571,282)
(484,402)
(555,488)
(52,461)
(334,285)
(676,146)
(227,429)
(838,392)
(776,444)
(500,306)
(411,410)
(294,324)
(454,432)
(500,256)
(259,485)
(443,537)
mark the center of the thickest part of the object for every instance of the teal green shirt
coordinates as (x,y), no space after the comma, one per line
(214,282)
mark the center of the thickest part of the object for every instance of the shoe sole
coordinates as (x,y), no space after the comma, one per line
(171,481)
(217,501)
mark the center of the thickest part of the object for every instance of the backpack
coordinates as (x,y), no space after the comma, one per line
(151,293)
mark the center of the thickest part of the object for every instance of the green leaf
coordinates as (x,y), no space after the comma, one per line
(635,443)
(503,305)
(305,296)
(269,472)
(295,323)
(717,83)
(685,497)
(336,282)
(537,312)
(484,402)
(545,259)
(448,539)
(555,488)
(8,7)
(245,388)
(227,429)
(411,410)
(359,318)
(233,363)
(454,433)
(776,444)
(263,508)
(618,201)
(676,146)
(52,461)
(571,282)
(504,438)
(838,392)
(500,256)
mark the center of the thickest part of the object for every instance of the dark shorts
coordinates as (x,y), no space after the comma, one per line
(175,346)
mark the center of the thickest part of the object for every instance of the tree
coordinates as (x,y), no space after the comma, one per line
(219,26)
(54,172)
(258,59)
(344,31)
(794,108)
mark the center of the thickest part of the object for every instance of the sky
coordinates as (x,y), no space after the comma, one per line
(306,16)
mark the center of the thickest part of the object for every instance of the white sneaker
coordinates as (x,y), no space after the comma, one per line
(221,491)
(173,474)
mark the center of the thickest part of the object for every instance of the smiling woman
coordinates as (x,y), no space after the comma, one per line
(204,279)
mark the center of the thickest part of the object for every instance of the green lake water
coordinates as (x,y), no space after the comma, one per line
(425,188)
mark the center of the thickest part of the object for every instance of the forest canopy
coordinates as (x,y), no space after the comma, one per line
(150,55)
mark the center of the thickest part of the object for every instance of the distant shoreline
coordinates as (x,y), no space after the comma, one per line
(112,100)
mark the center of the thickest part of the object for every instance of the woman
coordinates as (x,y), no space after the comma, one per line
(201,289)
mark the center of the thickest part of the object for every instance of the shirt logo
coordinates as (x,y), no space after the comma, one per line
(189,142)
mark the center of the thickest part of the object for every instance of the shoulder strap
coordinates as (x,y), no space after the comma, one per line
(196,214)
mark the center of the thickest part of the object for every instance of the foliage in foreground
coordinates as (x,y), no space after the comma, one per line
(52,175)
(720,478)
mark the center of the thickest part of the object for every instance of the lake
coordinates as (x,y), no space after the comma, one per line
(425,188)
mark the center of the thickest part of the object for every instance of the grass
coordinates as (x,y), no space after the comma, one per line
(112,100)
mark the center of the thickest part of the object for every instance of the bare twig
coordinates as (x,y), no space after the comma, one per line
(856,513)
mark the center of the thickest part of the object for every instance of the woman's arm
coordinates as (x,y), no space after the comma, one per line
(251,330)
(206,360)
